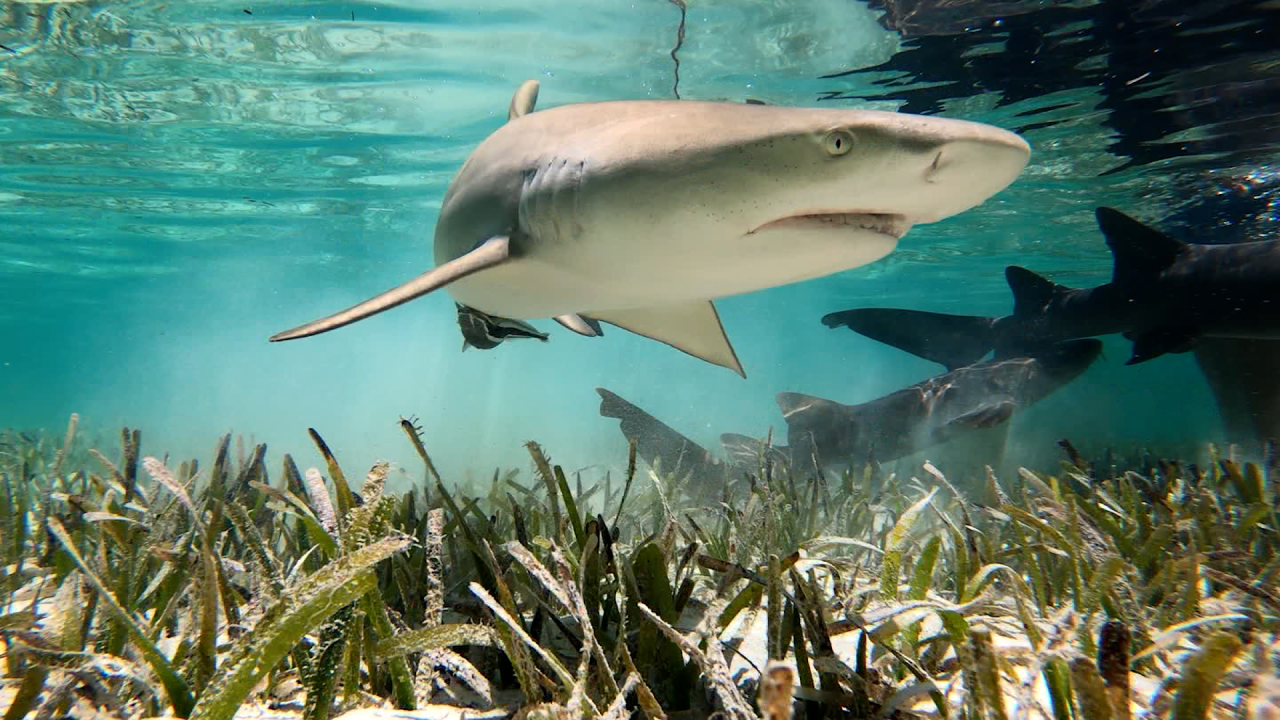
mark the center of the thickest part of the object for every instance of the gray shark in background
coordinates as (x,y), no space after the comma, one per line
(828,433)
(942,408)
(639,213)
(1167,296)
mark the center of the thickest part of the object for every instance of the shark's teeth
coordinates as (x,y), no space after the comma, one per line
(883,223)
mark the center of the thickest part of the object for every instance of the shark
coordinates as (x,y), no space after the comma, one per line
(1221,302)
(660,445)
(641,213)
(1165,295)
(981,396)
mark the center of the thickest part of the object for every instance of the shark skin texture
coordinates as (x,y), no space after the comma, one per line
(942,408)
(640,213)
(1221,302)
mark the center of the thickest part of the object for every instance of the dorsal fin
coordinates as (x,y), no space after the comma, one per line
(819,427)
(523,101)
(1141,252)
(792,402)
(1031,292)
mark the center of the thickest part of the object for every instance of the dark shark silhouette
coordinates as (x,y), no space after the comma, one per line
(1167,296)
(942,408)
(658,444)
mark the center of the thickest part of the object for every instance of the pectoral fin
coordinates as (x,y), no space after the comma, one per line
(581,325)
(1157,341)
(692,327)
(494,251)
(1241,373)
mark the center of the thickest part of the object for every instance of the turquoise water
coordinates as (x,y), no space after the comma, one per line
(178,181)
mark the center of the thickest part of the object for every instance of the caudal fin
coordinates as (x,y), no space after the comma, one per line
(657,443)
(952,340)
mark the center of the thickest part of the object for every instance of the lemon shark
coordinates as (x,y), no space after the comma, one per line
(976,397)
(640,213)
(1220,301)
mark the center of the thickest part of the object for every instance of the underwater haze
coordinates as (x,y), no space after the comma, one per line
(181,180)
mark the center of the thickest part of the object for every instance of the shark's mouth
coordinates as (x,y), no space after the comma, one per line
(889,224)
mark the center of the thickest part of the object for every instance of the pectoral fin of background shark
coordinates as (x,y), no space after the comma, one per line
(1242,375)
(584,326)
(1157,341)
(494,251)
(692,327)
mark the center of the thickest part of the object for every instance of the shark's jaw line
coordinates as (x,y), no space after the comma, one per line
(890,224)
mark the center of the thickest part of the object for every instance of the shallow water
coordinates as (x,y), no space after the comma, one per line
(178,181)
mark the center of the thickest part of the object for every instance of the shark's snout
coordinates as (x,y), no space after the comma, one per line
(961,174)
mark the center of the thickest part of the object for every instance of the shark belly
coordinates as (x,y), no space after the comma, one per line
(627,264)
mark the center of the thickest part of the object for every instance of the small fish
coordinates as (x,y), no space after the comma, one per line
(484,332)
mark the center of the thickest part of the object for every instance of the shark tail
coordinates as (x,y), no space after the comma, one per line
(952,340)
(614,406)
(656,442)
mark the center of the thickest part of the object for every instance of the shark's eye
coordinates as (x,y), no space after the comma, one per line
(837,143)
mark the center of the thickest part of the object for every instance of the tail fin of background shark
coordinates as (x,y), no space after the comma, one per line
(659,444)
(953,340)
